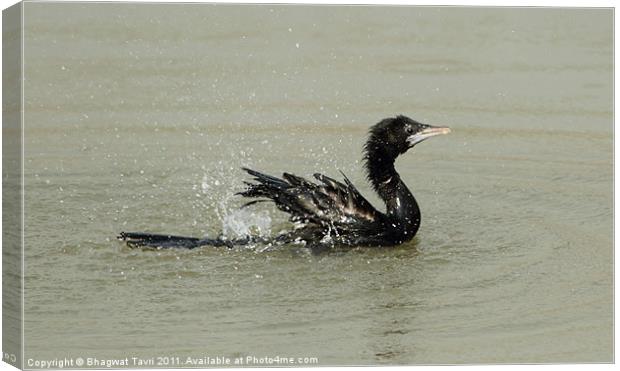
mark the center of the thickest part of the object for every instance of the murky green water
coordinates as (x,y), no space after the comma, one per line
(138,118)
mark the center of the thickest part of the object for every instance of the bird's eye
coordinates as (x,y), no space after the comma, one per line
(409,129)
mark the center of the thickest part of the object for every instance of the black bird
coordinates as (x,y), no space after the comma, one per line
(333,213)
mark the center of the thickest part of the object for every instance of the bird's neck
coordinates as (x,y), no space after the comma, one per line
(403,212)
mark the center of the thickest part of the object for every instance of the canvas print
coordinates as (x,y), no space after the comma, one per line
(198,185)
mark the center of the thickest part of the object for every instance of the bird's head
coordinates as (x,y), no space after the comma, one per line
(396,135)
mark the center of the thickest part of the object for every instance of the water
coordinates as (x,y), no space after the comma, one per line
(139,117)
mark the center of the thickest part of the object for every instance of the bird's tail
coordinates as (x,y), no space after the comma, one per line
(166,241)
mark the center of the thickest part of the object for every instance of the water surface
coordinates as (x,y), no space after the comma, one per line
(139,117)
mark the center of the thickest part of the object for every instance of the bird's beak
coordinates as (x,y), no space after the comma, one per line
(428,132)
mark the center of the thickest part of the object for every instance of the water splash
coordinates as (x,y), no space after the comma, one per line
(236,222)
(244,222)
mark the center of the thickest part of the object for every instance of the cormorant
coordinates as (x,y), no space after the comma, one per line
(332,212)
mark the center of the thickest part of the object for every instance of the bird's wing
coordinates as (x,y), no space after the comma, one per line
(327,203)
